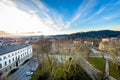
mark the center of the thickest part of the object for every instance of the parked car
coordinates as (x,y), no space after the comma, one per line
(33,69)
(28,73)
(35,60)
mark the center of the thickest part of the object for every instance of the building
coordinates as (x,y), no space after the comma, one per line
(114,38)
(77,41)
(110,39)
(88,43)
(102,46)
(62,46)
(12,56)
(105,39)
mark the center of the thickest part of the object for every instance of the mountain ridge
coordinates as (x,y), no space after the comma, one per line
(100,33)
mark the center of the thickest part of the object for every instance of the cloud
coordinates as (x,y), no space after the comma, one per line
(55,19)
(17,18)
(97,13)
(41,5)
(101,10)
(104,13)
(84,9)
(110,17)
(13,19)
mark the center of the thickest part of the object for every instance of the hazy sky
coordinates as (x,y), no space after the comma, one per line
(59,16)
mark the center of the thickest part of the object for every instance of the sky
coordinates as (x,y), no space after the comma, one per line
(51,17)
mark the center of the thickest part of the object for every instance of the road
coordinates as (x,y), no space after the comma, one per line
(96,51)
(20,74)
(101,54)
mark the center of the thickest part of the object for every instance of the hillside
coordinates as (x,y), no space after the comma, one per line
(101,33)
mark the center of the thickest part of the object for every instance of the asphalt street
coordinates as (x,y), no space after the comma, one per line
(20,74)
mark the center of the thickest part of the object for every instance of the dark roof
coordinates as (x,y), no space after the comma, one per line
(9,48)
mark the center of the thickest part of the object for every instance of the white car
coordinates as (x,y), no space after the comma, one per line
(28,73)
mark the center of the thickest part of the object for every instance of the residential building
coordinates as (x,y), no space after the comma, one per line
(105,39)
(12,56)
(88,43)
(77,41)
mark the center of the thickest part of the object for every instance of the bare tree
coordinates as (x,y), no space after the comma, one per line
(45,48)
(113,49)
(82,49)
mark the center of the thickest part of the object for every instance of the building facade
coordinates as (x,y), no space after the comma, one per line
(106,41)
(12,56)
(63,46)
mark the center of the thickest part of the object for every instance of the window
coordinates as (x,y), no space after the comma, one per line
(8,56)
(16,58)
(12,54)
(0,66)
(5,63)
(9,61)
(10,67)
(4,57)
(13,59)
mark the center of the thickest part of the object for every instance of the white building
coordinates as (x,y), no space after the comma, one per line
(12,56)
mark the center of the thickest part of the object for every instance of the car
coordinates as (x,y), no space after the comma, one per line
(33,69)
(28,73)
(35,60)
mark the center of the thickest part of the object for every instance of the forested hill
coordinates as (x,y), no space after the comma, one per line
(101,33)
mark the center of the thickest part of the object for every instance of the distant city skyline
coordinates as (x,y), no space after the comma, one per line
(51,17)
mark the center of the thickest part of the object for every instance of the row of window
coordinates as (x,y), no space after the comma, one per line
(5,63)
(14,54)
(9,68)
(12,60)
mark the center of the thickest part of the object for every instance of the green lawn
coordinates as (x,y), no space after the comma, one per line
(113,71)
(99,63)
